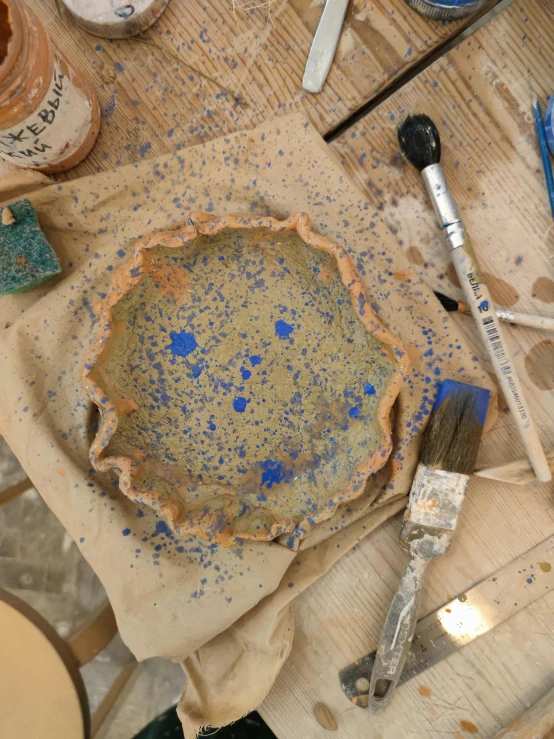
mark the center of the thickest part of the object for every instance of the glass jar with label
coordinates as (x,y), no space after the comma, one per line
(49,115)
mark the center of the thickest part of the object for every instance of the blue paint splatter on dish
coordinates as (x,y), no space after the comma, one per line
(246,387)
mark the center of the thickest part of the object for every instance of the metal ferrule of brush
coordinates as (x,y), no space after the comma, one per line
(434,505)
(444,206)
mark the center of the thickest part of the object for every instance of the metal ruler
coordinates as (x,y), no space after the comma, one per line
(472,614)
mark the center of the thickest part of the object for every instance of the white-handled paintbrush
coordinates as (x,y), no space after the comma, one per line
(420,143)
(446,461)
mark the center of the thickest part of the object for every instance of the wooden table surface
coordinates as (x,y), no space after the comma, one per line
(153,104)
(479,93)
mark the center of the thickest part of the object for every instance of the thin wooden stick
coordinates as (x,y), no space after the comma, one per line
(15,490)
(536,722)
(113,700)
(518,473)
(95,635)
(525,319)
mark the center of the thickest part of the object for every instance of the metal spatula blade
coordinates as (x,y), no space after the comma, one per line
(324,45)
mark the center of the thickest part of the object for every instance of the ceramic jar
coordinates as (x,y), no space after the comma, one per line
(49,115)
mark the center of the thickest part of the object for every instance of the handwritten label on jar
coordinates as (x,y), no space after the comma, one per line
(103,11)
(54,131)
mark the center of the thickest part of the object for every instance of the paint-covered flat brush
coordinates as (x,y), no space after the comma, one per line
(509,316)
(447,458)
(420,143)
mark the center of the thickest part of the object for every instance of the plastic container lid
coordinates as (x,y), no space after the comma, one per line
(447,10)
(115,18)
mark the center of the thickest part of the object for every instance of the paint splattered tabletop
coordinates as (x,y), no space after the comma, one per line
(207,70)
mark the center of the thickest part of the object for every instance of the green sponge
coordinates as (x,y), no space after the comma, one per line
(26,258)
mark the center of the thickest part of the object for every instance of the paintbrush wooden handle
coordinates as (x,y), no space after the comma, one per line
(396,636)
(535,723)
(517,473)
(478,298)
(524,319)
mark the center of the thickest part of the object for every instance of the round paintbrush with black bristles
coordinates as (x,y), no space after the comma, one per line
(509,316)
(420,142)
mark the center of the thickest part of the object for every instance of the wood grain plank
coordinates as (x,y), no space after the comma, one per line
(479,94)
(152,105)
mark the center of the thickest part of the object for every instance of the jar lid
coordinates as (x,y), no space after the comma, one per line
(115,18)
(447,10)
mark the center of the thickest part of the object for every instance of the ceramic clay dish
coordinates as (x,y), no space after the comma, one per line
(243,380)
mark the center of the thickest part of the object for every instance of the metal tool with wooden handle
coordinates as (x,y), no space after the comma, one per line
(324,45)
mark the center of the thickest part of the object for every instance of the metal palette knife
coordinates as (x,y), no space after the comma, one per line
(324,45)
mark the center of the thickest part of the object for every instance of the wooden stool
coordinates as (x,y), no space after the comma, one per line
(42,694)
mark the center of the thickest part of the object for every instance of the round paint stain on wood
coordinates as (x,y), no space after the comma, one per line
(325,718)
(502,292)
(452,276)
(469,727)
(539,364)
(543,289)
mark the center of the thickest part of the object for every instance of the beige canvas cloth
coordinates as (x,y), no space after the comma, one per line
(224,613)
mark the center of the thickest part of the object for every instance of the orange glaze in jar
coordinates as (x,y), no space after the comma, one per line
(49,115)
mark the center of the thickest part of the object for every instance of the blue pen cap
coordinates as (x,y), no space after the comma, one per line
(447,10)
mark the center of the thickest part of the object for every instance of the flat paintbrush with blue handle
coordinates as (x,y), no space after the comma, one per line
(447,459)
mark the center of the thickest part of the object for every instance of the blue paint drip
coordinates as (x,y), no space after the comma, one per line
(245,373)
(354,412)
(183,343)
(126,532)
(239,404)
(274,472)
(369,389)
(255,359)
(283,329)
(484,305)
